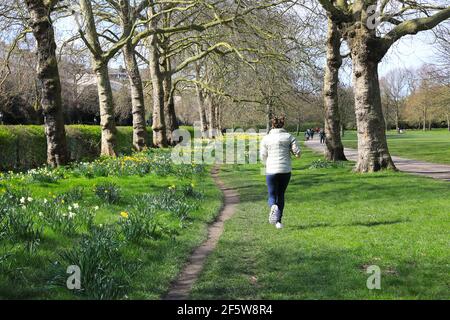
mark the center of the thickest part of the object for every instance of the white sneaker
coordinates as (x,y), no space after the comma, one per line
(279,225)
(273,216)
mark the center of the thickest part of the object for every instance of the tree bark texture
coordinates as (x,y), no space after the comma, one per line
(334,150)
(48,75)
(373,152)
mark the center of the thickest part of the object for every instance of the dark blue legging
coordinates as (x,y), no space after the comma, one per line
(277,185)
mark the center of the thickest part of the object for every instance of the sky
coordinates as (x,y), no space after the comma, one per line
(410,52)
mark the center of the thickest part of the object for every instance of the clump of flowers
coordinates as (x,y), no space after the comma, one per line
(325,164)
(108,192)
(44,174)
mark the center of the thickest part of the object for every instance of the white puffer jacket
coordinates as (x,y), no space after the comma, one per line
(275,151)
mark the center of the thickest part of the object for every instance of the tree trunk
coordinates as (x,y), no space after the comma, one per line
(397,118)
(169,102)
(212,117)
(48,76)
(448,121)
(386,119)
(334,149)
(137,99)
(268,117)
(201,104)
(424,119)
(218,120)
(107,116)
(105,97)
(373,152)
(159,121)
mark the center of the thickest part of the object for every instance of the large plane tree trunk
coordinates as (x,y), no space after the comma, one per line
(373,152)
(107,115)
(159,121)
(128,17)
(334,150)
(169,102)
(105,96)
(48,76)
(137,99)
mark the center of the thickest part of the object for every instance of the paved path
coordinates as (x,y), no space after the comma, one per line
(181,287)
(436,171)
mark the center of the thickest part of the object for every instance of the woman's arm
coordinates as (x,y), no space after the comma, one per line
(295,147)
(263,152)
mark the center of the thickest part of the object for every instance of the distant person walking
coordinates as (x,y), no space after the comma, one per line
(322,136)
(275,152)
(311,133)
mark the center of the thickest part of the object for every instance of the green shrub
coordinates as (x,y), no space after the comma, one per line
(17,225)
(108,192)
(105,273)
(25,147)
(68,218)
(139,225)
(170,201)
(44,174)
(324,164)
(72,195)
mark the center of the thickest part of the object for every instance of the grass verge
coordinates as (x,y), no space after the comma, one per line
(337,223)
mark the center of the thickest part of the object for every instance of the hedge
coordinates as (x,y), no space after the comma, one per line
(23,147)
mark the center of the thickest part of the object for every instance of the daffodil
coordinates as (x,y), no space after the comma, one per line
(124,214)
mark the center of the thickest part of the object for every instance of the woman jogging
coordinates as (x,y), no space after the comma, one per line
(275,152)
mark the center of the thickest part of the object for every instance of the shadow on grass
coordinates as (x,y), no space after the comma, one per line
(294,274)
(353,224)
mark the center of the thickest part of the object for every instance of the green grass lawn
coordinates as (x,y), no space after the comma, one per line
(431,146)
(149,265)
(336,225)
